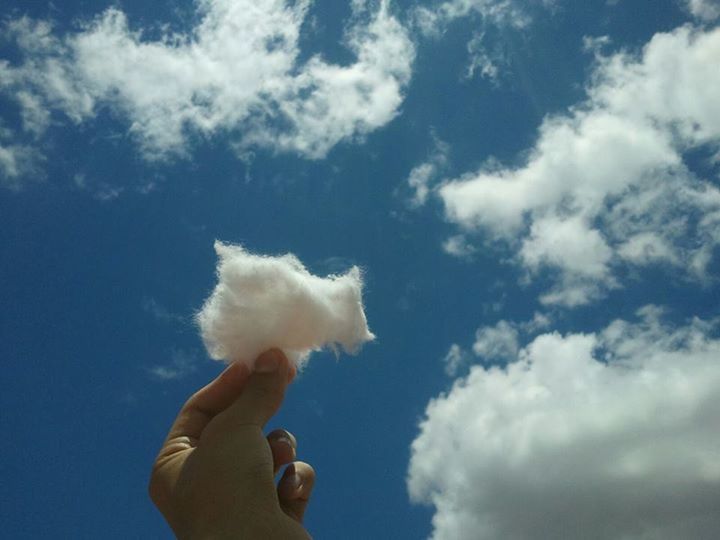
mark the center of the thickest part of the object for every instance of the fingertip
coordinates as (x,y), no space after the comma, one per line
(297,482)
(236,370)
(295,488)
(264,390)
(271,361)
(283,446)
(283,436)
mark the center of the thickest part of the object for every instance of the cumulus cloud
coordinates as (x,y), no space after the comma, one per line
(262,302)
(609,435)
(237,73)
(499,342)
(493,344)
(607,185)
(707,10)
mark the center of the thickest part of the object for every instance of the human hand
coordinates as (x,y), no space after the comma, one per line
(214,476)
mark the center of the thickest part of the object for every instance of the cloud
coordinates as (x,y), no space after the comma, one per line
(499,342)
(264,302)
(492,15)
(607,185)
(433,20)
(423,176)
(182,363)
(459,247)
(454,360)
(18,162)
(606,435)
(707,10)
(160,313)
(236,74)
(482,61)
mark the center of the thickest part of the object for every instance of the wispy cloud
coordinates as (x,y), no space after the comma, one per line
(434,19)
(18,163)
(458,246)
(181,364)
(486,57)
(423,176)
(484,61)
(161,313)
(454,360)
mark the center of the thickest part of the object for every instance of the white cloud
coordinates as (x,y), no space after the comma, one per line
(18,162)
(423,176)
(606,185)
(236,73)
(433,20)
(419,180)
(595,44)
(499,342)
(459,247)
(35,118)
(161,313)
(182,363)
(261,303)
(707,10)
(482,61)
(454,360)
(602,436)
(540,321)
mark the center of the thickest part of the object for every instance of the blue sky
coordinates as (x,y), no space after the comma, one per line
(559,190)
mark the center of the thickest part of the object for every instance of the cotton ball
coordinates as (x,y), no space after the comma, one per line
(263,302)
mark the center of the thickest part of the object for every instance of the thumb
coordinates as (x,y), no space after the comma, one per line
(264,391)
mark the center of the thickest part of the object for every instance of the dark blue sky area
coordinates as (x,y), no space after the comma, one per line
(96,293)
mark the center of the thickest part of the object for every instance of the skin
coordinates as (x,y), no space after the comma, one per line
(214,476)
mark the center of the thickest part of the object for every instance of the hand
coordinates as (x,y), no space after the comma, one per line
(214,477)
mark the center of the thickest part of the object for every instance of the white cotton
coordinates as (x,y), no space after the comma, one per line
(263,302)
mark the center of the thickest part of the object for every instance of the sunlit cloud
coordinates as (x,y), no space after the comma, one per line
(603,435)
(607,185)
(236,74)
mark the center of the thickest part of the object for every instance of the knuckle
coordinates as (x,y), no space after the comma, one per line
(155,490)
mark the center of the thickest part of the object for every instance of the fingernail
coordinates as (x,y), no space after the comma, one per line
(285,440)
(293,481)
(268,362)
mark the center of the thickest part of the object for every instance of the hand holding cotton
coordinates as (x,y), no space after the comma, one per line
(263,302)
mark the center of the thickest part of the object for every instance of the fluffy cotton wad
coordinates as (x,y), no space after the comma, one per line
(264,302)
